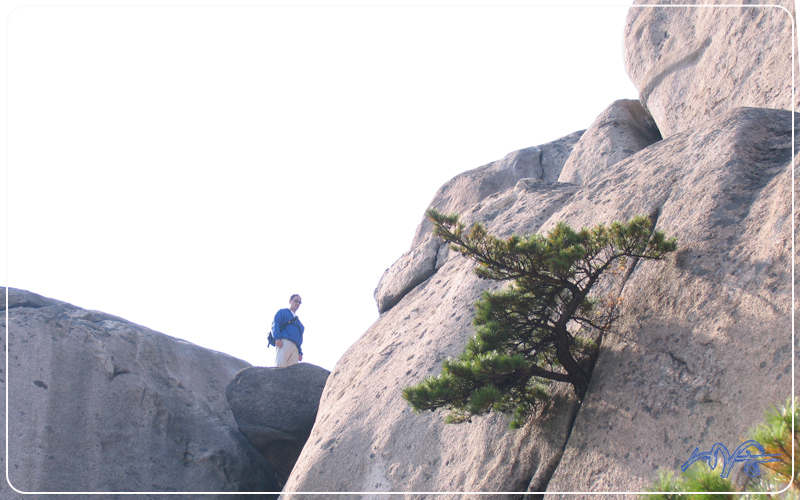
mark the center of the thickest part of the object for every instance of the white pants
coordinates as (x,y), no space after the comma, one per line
(287,354)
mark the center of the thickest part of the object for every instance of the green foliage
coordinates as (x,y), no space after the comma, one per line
(686,487)
(775,434)
(539,328)
(664,487)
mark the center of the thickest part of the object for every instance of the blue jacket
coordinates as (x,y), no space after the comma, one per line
(293,332)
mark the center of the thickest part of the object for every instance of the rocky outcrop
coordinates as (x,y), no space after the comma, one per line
(697,330)
(703,346)
(366,437)
(691,64)
(622,129)
(275,409)
(99,404)
(541,163)
(704,343)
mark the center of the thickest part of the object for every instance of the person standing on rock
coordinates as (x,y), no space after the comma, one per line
(288,333)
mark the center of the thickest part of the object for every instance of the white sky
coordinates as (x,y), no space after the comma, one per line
(188,168)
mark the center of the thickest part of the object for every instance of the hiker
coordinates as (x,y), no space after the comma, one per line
(287,330)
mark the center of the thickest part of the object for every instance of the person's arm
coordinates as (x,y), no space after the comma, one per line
(300,349)
(302,330)
(277,331)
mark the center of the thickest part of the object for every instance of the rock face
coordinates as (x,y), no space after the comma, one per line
(366,438)
(542,163)
(620,131)
(275,409)
(703,346)
(677,372)
(691,64)
(704,343)
(99,404)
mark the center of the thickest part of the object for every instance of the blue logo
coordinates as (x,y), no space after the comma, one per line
(742,454)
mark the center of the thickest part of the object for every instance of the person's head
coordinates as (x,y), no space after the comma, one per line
(294,302)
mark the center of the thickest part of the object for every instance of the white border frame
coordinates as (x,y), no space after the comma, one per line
(791,107)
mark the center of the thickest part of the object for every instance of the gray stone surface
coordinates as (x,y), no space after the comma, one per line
(366,438)
(703,347)
(622,129)
(691,64)
(275,409)
(99,404)
(543,163)
(701,350)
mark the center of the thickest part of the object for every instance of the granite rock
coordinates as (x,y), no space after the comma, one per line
(100,404)
(703,346)
(622,129)
(694,63)
(275,409)
(676,372)
(542,163)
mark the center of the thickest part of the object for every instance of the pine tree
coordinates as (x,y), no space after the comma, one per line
(544,326)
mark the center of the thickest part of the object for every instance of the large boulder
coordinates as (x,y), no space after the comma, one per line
(275,409)
(622,129)
(693,63)
(543,163)
(99,404)
(697,331)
